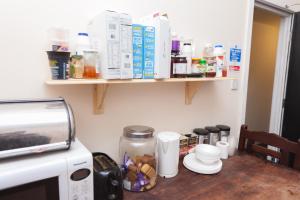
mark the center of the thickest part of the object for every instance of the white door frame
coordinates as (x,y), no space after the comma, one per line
(281,61)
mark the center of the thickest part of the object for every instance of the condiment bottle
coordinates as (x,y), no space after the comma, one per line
(187,52)
(180,67)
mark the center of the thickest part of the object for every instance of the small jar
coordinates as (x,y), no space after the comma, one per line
(225,132)
(196,68)
(90,64)
(214,134)
(180,67)
(203,135)
(76,66)
(137,155)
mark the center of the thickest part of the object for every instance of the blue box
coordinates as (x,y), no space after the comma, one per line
(138,49)
(149,52)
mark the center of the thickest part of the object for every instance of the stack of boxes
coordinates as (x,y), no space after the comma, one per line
(131,51)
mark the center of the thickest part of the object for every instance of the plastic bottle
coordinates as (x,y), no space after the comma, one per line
(82,43)
(187,52)
(219,53)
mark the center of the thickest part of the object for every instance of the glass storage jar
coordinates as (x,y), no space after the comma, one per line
(137,154)
(225,132)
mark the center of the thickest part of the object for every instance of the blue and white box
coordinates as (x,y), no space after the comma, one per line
(138,48)
(149,52)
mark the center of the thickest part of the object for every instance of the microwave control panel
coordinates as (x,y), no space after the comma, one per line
(81,181)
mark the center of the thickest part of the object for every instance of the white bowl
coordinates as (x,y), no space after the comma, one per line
(207,153)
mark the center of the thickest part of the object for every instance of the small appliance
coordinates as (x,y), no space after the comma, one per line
(168,153)
(60,175)
(107,178)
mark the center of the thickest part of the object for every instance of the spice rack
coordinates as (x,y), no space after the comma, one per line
(192,85)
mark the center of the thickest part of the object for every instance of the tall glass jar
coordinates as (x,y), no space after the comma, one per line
(137,154)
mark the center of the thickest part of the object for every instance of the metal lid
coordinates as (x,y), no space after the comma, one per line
(223,127)
(201,131)
(137,131)
(212,129)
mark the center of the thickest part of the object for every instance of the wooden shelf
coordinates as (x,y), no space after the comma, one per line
(192,85)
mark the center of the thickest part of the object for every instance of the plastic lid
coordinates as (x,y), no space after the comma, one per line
(196,59)
(137,131)
(202,62)
(187,43)
(83,34)
(212,129)
(223,127)
(201,131)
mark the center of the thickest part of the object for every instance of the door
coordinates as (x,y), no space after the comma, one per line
(291,116)
(265,36)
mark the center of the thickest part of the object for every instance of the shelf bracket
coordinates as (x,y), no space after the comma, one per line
(99,96)
(191,89)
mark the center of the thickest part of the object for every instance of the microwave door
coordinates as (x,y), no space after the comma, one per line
(42,181)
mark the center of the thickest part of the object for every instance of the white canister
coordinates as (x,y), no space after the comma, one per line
(168,153)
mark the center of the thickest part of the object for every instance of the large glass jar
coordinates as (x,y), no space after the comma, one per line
(137,155)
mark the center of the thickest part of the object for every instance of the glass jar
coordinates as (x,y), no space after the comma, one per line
(137,155)
(214,134)
(90,64)
(202,135)
(76,66)
(180,67)
(225,132)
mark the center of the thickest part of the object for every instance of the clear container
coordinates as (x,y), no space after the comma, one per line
(137,156)
(90,64)
(76,66)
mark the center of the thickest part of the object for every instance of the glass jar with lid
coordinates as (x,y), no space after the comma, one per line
(203,135)
(137,154)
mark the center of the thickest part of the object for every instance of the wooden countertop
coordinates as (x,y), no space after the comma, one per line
(243,177)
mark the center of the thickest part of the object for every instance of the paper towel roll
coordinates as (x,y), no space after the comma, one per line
(224,149)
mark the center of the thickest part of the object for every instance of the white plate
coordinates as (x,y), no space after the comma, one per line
(192,163)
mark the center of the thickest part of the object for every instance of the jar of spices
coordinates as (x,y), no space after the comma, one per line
(214,134)
(225,132)
(203,135)
(196,68)
(180,67)
(137,153)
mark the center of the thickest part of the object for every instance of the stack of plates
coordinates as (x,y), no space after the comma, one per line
(205,160)
(192,163)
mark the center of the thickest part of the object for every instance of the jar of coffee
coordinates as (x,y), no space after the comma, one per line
(225,132)
(180,67)
(137,156)
(203,135)
(214,134)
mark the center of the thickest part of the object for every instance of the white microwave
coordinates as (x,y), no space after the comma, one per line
(61,175)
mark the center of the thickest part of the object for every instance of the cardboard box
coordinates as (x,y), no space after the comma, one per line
(111,34)
(138,49)
(149,52)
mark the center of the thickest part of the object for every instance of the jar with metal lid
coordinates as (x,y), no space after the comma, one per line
(137,153)
(225,132)
(214,134)
(203,135)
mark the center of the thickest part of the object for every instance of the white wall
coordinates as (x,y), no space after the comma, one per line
(24,66)
(262,67)
(289,3)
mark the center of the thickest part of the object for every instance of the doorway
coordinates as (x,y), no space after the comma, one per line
(265,32)
(271,31)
